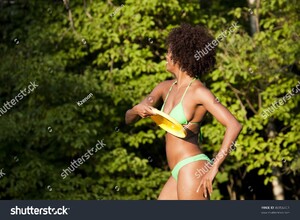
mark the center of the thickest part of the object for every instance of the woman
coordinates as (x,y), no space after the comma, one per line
(187,100)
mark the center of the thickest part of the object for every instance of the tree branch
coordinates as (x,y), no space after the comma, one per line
(85,10)
(236,92)
(66,3)
(251,106)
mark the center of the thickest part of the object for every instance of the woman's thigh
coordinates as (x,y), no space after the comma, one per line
(169,191)
(188,182)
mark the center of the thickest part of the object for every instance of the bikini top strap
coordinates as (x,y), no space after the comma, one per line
(187,89)
(169,93)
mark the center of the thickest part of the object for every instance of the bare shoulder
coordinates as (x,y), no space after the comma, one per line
(199,87)
(159,92)
(202,93)
(167,82)
(162,86)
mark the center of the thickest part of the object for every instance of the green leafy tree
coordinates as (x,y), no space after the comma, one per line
(116,51)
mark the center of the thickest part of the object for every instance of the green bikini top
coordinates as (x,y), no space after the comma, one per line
(178,112)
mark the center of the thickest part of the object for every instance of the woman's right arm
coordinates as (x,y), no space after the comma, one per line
(137,112)
(144,108)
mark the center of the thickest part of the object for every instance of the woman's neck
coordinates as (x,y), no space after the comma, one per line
(182,78)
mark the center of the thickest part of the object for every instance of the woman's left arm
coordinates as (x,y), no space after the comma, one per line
(233,127)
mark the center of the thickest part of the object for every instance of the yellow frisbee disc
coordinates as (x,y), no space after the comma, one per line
(168,123)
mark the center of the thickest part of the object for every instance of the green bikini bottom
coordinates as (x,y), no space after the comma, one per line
(186,161)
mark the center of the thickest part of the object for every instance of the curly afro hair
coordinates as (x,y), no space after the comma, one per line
(184,42)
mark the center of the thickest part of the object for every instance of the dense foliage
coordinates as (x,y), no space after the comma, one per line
(92,60)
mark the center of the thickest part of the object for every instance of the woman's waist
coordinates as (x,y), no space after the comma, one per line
(177,153)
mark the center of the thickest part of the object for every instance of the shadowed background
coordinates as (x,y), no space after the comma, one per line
(115,50)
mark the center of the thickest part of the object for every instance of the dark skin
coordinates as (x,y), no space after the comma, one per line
(197,102)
